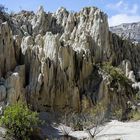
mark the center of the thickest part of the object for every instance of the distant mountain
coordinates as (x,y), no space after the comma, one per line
(128,30)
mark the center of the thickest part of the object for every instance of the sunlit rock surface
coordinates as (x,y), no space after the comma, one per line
(50,60)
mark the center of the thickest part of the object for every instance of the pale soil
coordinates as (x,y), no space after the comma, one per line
(110,131)
(115,130)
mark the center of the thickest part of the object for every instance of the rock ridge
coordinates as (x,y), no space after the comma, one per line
(49,60)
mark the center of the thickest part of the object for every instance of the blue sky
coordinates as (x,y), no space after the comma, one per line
(119,11)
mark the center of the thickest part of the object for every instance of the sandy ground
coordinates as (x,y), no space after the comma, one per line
(110,131)
(113,130)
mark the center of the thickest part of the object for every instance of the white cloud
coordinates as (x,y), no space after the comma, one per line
(123,18)
(123,7)
(125,13)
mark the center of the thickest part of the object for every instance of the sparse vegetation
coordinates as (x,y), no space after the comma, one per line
(20,121)
(135,115)
(88,121)
(118,112)
(116,74)
(65,130)
(77,121)
(137,97)
(99,118)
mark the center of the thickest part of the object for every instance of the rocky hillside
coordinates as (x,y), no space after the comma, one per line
(54,61)
(128,30)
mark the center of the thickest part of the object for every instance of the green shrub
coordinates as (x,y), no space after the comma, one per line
(135,115)
(118,113)
(20,121)
(116,74)
(137,97)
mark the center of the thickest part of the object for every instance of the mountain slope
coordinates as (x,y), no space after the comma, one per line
(128,30)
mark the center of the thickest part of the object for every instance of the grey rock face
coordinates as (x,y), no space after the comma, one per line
(15,85)
(51,59)
(128,30)
(125,50)
(2,92)
(7,53)
(3,132)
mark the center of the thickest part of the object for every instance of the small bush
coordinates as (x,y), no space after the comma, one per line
(77,121)
(137,97)
(65,130)
(20,121)
(135,115)
(116,74)
(118,113)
